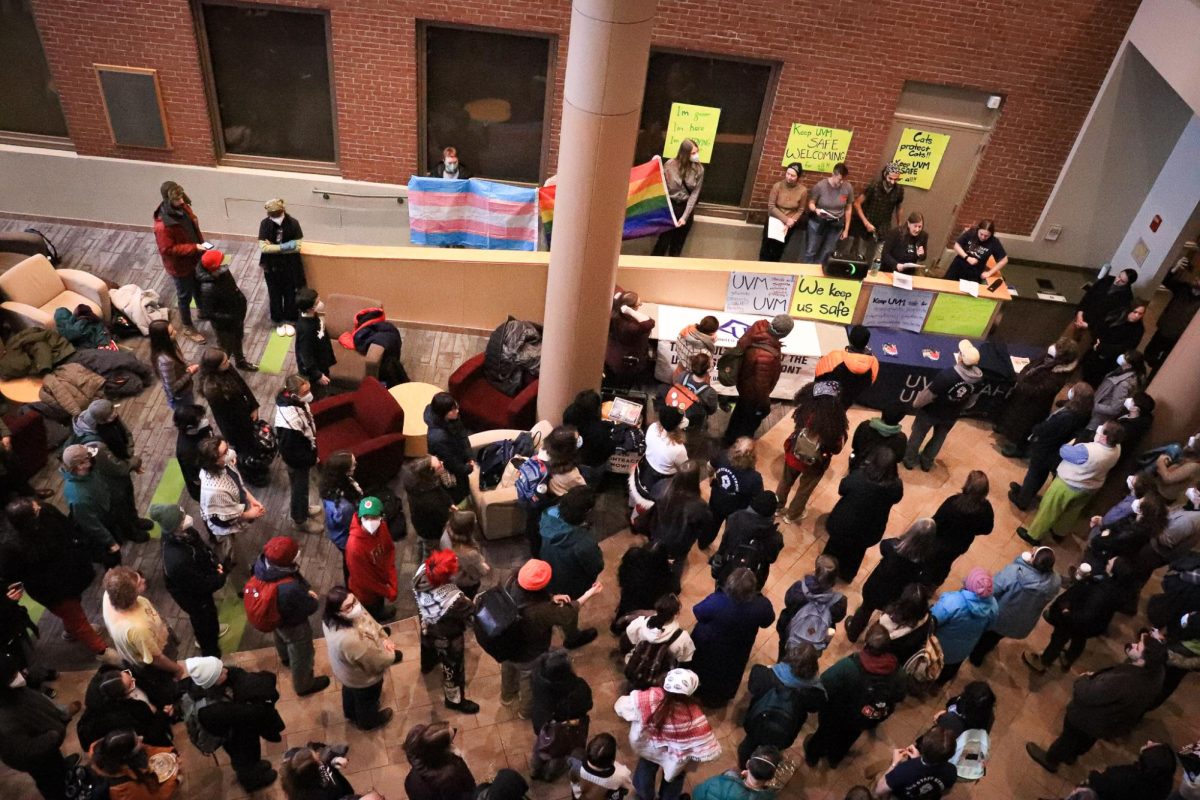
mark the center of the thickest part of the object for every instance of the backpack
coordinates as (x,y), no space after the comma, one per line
(971,754)
(803,447)
(48,248)
(650,662)
(496,624)
(812,622)
(681,396)
(748,554)
(494,457)
(925,666)
(533,481)
(204,741)
(774,716)
(261,599)
(876,703)
(729,365)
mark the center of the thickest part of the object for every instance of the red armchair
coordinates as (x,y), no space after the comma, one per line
(369,423)
(484,407)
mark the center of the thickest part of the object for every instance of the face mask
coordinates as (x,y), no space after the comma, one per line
(684,424)
(319,307)
(1027,556)
(695,157)
(1121,362)
(1052,351)
(277,220)
(578,441)
(307,397)
(1192,442)
(1070,394)
(355,611)
(18,681)
(231,457)
(225,367)
(451,166)
(1193,496)
(1129,406)
(1136,506)
(371,525)
(1130,481)
(188,521)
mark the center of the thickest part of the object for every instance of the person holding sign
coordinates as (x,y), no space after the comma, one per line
(829,202)
(905,247)
(684,175)
(975,248)
(785,208)
(877,211)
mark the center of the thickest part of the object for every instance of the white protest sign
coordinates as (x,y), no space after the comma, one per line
(896,308)
(759,293)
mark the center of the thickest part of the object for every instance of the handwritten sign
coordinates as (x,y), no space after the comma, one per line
(758,293)
(956,315)
(919,155)
(815,147)
(698,123)
(824,299)
(896,308)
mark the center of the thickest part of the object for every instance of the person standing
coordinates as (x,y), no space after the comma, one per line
(1032,398)
(295,602)
(100,430)
(962,617)
(1081,473)
(176,373)
(296,432)
(90,504)
(1118,338)
(1184,285)
(561,702)
(812,607)
(314,349)
(340,495)
(759,371)
(438,771)
(699,337)
(830,201)
(752,782)
(597,775)
(32,730)
(444,613)
(627,355)
(882,431)
(429,502)
(224,305)
(191,428)
(877,211)
(939,405)
(820,434)
(906,246)
(192,574)
(140,635)
(750,531)
(180,244)
(681,517)
(902,560)
(568,545)
(360,654)
(786,205)
(371,560)
(233,405)
(858,521)
(921,771)
(960,519)
(226,505)
(644,577)
(973,250)
(735,480)
(1022,591)
(781,698)
(461,536)
(1106,704)
(1103,304)
(1084,611)
(448,441)
(1127,379)
(1045,441)
(684,176)
(279,240)
(851,370)
(727,623)
(1151,777)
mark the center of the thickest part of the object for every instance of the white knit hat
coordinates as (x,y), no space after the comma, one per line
(681,681)
(205,671)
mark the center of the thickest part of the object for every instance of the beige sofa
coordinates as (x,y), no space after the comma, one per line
(351,367)
(499,513)
(34,289)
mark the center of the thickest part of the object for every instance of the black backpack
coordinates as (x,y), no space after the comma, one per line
(748,554)
(775,717)
(496,456)
(497,624)
(650,662)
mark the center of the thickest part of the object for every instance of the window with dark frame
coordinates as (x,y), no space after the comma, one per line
(738,88)
(485,95)
(270,76)
(29,102)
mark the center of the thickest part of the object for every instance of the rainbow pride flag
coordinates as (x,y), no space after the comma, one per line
(647,210)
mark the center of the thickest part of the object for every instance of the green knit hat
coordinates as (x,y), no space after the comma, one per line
(167,515)
(370,507)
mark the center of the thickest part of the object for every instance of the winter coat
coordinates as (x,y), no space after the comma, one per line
(956,531)
(724,635)
(296,605)
(33,351)
(1021,593)
(449,781)
(1102,358)
(124,374)
(731,489)
(1108,704)
(82,331)
(730,785)
(513,356)
(572,553)
(904,642)
(693,523)
(372,328)
(448,440)
(102,714)
(1052,433)
(962,617)
(846,683)
(1087,607)
(371,561)
(597,436)
(852,372)
(761,367)
(685,737)
(296,431)
(190,568)
(803,592)
(71,388)
(279,246)
(1032,397)
(142,306)
(893,572)
(808,696)
(1103,304)
(47,559)
(338,513)
(31,727)
(232,402)
(873,433)
(568,698)
(220,299)
(176,244)
(187,453)
(1117,385)
(643,576)
(861,514)
(429,508)
(539,617)
(744,527)
(245,701)
(314,350)
(358,656)
(89,499)
(691,341)
(628,348)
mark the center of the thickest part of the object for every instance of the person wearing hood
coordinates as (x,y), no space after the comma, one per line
(938,406)
(1022,591)
(754,528)
(296,432)
(279,240)
(644,577)
(668,731)
(812,593)
(696,338)
(561,702)
(859,519)
(906,246)
(568,545)
(786,206)
(40,552)
(438,769)
(180,244)
(1120,337)
(1032,398)
(877,211)
(961,618)
(1084,611)
(296,603)
(445,612)
(1045,441)
(853,369)
(882,431)
(781,698)
(226,505)
(902,560)
(223,305)
(314,348)
(191,428)
(91,505)
(1103,304)
(192,574)
(1106,703)
(140,635)
(113,701)
(973,251)
(762,364)
(360,654)
(1080,475)
(1125,380)
(240,709)
(961,519)
(862,690)
(1151,777)
(104,434)
(448,441)
(32,730)
(371,560)
(727,624)
(314,772)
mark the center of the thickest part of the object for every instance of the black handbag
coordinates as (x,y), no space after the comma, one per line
(559,739)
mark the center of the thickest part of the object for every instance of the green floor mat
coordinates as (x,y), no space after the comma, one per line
(170,487)
(232,612)
(275,353)
(34,608)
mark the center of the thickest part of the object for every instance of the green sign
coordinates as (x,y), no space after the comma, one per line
(958,315)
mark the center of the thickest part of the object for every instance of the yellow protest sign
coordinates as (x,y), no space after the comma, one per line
(824,299)
(816,148)
(956,315)
(919,155)
(698,123)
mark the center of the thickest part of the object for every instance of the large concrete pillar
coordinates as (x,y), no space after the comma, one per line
(1174,389)
(602,100)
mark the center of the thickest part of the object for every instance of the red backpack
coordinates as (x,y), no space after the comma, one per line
(261,599)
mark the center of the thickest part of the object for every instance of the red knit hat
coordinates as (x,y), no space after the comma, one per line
(440,567)
(213,260)
(281,550)
(534,575)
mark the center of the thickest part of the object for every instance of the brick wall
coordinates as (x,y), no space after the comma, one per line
(844,64)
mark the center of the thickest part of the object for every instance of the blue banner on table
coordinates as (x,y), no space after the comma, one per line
(472,213)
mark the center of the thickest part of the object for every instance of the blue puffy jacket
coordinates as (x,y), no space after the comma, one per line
(338,514)
(962,617)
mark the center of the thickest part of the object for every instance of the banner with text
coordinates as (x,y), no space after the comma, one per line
(919,155)
(759,293)
(897,308)
(698,123)
(816,148)
(824,299)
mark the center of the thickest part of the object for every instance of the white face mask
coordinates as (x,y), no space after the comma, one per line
(371,524)
(1129,406)
(1121,362)
(188,521)
(355,611)
(695,157)
(1130,481)
(277,219)
(1052,351)
(319,307)
(578,441)
(1136,506)
(18,681)
(307,397)
(1192,442)
(1193,496)
(684,424)
(1070,394)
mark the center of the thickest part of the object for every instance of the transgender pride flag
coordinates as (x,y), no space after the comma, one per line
(472,213)
(647,210)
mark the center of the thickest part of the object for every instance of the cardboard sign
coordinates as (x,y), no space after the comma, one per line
(956,315)
(698,123)
(919,154)
(816,148)
(824,299)
(758,293)
(889,307)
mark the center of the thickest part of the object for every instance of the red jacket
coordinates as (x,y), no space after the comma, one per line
(761,365)
(180,255)
(371,562)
